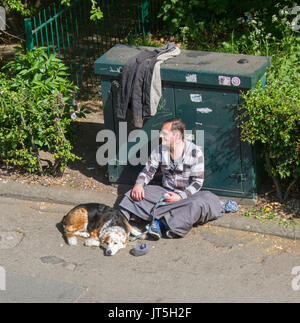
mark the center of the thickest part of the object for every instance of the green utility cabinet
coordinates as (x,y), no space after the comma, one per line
(204,90)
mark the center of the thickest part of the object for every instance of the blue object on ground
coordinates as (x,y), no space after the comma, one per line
(231,206)
(140,249)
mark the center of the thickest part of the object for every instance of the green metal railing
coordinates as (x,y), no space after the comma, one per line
(68,32)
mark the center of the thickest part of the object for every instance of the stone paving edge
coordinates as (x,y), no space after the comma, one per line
(66,196)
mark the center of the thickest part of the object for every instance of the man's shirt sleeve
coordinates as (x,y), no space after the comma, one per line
(196,176)
(150,168)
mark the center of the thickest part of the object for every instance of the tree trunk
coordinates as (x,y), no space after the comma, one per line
(274,178)
(286,195)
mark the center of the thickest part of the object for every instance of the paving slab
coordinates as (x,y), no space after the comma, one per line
(25,289)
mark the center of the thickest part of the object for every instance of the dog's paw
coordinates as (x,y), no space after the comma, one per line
(135,231)
(92,243)
(72,241)
(84,234)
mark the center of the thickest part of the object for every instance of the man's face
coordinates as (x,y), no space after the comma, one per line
(168,137)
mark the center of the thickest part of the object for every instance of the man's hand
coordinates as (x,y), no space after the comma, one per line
(173,197)
(138,192)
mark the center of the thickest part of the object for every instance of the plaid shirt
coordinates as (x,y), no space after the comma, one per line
(185,177)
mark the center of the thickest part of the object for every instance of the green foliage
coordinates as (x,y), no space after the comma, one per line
(260,213)
(27,8)
(95,13)
(271,116)
(36,104)
(206,24)
(262,33)
(18,6)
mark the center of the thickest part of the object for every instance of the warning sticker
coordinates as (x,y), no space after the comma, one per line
(224,80)
(196,97)
(236,81)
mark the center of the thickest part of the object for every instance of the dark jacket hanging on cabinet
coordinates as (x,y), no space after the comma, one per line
(135,84)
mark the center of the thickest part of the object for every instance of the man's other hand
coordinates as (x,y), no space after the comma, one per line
(138,192)
(173,197)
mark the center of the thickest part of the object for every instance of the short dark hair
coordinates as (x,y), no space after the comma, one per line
(176,125)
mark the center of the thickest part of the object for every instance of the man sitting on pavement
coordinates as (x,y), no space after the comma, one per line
(182,165)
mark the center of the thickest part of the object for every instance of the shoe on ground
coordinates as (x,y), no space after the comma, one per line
(140,250)
(154,230)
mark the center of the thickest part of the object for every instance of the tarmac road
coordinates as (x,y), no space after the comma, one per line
(211,264)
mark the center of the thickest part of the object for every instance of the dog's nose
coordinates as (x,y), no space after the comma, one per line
(108,252)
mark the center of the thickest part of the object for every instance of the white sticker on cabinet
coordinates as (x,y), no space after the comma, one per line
(191,78)
(196,97)
(204,110)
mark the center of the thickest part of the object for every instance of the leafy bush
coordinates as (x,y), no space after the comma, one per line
(18,6)
(263,33)
(271,117)
(36,104)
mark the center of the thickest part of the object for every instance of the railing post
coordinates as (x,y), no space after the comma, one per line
(145,17)
(28,34)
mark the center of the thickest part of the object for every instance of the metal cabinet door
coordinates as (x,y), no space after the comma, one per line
(214,112)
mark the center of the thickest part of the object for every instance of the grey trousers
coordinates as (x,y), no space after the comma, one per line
(180,216)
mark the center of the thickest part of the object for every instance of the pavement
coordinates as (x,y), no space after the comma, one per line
(232,259)
(65,196)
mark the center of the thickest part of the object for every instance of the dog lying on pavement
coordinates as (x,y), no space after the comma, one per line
(100,224)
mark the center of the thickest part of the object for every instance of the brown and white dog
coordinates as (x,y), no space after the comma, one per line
(102,225)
